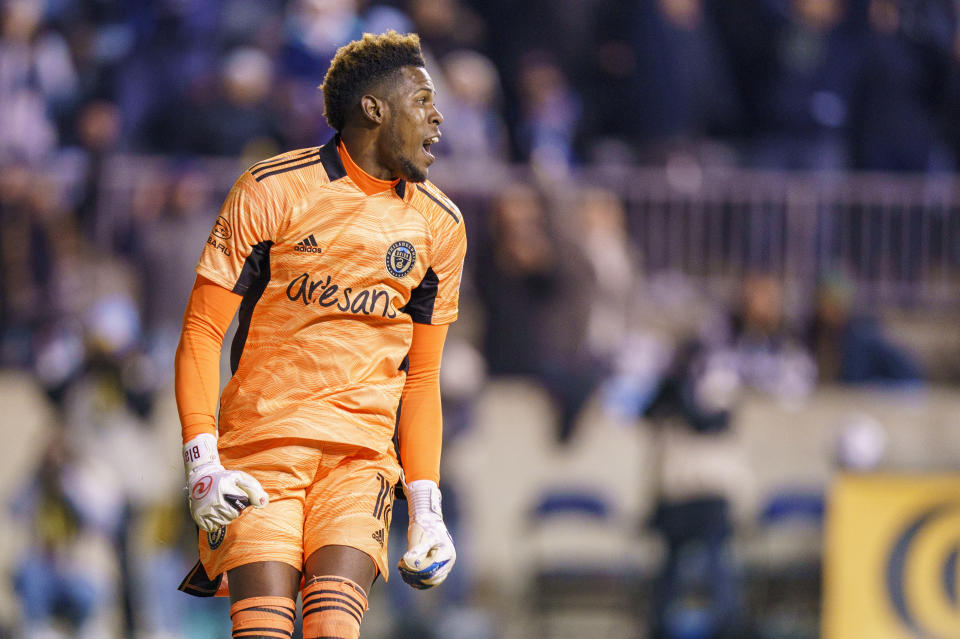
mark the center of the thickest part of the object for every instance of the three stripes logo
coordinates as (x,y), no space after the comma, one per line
(383,509)
(307,245)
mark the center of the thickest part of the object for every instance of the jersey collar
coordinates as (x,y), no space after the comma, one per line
(330,157)
(366,182)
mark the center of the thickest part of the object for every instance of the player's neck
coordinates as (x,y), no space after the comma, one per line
(366,182)
(363,150)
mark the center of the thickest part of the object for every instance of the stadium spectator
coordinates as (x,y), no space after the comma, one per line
(910,53)
(97,134)
(598,228)
(478,132)
(683,91)
(25,266)
(517,282)
(315,29)
(37,81)
(807,98)
(850,347)
(445,26)
(240,120)
(763,346)
(165,209)
(702,479)
(536,289)
(169,71)
(549,111)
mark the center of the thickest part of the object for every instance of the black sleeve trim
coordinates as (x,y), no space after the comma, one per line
(251,284)
(422,298)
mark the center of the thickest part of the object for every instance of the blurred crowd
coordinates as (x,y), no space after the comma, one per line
(553,290)
(810,84)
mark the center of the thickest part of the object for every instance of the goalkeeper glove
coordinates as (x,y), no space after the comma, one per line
(431,554)
(217,496)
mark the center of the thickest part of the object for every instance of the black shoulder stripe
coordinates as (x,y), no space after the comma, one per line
(271,162)
(439,203)
(289,168)
(314,152)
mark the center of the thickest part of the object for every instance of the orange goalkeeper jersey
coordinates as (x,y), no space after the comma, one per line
(333,271)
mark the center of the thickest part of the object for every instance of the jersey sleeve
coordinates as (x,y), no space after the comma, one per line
(436,299)
(210,310)
(420,423)
(248,220)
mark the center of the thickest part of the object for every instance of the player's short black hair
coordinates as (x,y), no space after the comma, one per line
(359,65)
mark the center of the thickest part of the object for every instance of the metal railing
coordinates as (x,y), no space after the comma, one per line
(896,236)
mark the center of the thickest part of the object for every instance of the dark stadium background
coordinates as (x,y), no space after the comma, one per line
(714,255)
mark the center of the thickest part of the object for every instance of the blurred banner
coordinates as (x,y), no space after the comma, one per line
(892,558)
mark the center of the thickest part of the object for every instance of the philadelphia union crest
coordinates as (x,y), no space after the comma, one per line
(401,257)
(215,538)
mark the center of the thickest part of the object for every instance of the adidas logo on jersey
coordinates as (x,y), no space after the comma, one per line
(378,537)
(307,245)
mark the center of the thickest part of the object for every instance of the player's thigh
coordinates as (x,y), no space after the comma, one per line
(263,579)
(351,504)
(342,561)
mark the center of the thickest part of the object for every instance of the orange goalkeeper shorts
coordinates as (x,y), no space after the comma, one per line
(321,494)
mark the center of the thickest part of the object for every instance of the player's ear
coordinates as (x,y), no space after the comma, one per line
(373,108)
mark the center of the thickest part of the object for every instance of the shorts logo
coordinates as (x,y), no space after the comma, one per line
(222,228)
(383,509)
(307,245)
(401,257)
(201,488)
(215,538)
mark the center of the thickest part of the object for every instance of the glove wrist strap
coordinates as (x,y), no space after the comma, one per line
(423,496)
(200,451)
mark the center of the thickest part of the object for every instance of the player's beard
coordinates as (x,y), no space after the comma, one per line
(413,174)
(408,170)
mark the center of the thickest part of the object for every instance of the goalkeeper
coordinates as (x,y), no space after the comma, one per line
(345,264)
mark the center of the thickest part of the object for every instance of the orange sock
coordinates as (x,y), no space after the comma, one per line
(263,618)
(333,608)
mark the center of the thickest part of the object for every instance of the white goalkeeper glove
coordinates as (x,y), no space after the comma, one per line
(431,554)
(217,496)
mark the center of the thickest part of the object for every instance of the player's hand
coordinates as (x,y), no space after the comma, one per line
(217,495)
(431,554)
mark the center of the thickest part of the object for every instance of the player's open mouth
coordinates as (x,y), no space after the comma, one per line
(427,144)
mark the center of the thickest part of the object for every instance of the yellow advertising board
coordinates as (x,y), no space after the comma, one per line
(892,558)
